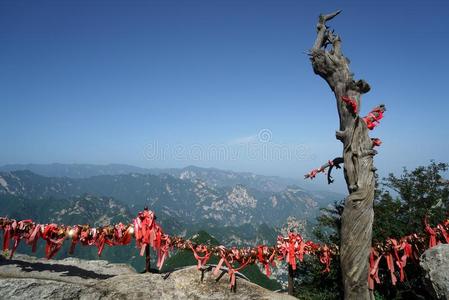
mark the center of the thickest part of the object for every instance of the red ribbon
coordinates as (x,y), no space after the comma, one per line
(76,232)
(231,269)
(54,238)
(400,262)
(373,276)
(376,142)
(443,233)
(432,234)
(145,230)
(350,102)
(6,236)
(313,173)
(163,249)
(390,264)
(373,118)
(262,252)
(148,232)
(325,258)
(35,233)
(202,260)
(23,230)
(122,236)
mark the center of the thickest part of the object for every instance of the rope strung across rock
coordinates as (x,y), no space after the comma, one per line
(148,233)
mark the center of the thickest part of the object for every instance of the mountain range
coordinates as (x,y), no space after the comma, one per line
(241,209)
(190,196)
(212,176)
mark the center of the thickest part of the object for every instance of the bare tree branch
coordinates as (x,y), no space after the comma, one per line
(330,164)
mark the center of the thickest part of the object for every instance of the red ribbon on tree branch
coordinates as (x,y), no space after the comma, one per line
(351,103)
(374,117)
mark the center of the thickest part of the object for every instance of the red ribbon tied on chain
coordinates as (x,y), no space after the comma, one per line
(34,235)
(75,233)
(443,232)
(325,258)
(400,262)
(122,235)
(144,230)
(26,230)
(373,275)
(163,250)
(54,236)
(88,236)
(7,230)
(262,253)
(291,248)
(202,260)
(148,233)
(390,265)
(105,237)
(431,232)
(228,260)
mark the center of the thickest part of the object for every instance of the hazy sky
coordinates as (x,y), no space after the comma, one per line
(224,84)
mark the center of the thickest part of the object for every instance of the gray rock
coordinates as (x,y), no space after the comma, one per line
(26,277)
(435,262)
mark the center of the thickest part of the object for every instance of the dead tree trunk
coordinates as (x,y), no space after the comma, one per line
(329,62)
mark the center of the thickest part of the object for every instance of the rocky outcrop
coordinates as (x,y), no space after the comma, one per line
(25,277)
(435,262)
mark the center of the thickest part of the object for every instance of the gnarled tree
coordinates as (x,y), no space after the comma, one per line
(329,62)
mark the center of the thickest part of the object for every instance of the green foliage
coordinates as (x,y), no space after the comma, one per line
(313,283)
(329,224)
(386,212)
(256,276)
(399,209)
(421,192)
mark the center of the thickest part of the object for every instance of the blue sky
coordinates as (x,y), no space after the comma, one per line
(110,81)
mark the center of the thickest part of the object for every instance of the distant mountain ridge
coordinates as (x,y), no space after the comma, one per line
(237,208)
(186,200)
(74,170)
(212,176)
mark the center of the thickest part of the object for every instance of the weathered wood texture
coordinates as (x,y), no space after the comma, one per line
(329,62)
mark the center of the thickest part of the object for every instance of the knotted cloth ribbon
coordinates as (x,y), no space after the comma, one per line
(262,253)
(373,118)
(228,260)
(373,275)
(54,236)
(351,103)
(431,233)
(202,260)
